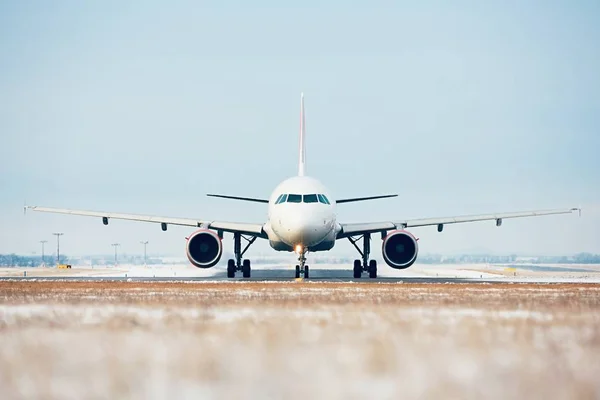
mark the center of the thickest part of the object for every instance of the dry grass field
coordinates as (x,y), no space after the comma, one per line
(292,340)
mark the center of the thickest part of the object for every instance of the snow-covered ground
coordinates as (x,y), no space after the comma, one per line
(64,340)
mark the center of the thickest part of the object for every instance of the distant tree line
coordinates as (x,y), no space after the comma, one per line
(14,260)
(580,258)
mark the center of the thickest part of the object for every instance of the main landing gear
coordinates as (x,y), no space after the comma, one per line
(302,268)
(238,264)
(365,265)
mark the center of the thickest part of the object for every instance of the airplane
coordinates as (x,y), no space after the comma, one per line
(301,218)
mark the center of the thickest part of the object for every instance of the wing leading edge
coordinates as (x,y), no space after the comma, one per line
(371,227)
(235,227)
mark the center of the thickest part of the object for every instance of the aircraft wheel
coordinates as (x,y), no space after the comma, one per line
(231,268)
(297,271)
(246,269)
(306,275)
(373,269)
(357,269)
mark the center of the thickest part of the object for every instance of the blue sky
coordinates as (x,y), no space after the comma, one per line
(146,106)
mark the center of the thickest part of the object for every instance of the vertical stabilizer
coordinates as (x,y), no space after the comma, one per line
(302,144)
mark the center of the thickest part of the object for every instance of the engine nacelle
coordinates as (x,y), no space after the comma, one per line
(400,249)
(204,248)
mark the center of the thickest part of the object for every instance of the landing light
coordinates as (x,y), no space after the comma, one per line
(298,248)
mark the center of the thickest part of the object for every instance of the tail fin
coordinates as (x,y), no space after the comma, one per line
(302,154)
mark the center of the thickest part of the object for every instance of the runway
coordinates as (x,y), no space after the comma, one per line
(468,273)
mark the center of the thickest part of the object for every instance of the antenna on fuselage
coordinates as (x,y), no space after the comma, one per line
(302,145)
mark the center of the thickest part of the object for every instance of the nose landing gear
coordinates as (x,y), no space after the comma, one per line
(364,265)
(238,264)
(302,268)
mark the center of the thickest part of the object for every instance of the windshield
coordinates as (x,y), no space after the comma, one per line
(310,198)
(281,199)
(302,198)
(323,199)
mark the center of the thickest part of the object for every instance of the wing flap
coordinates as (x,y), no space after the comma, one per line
(362,228)
(239,227)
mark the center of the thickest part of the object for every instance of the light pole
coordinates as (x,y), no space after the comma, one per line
(58,235)
(115,245)
(145,244)
(43,242)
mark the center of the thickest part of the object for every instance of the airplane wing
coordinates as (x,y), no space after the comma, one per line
(235,227)
(371,227)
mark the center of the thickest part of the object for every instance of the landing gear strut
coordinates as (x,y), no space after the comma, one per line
(302,268)
(238,264)
(365,264)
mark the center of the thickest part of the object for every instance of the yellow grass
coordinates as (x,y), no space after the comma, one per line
(298,340)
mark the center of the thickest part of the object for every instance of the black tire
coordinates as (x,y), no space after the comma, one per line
(357,269)
(246,269)
(373,269)
(306,274)
(297,271)
(231,268)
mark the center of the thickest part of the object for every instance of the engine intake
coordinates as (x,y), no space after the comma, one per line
(400,249)
(204,248)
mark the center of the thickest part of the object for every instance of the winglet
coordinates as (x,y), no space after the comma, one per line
(302,144)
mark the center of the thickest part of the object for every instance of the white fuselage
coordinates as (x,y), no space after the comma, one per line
(304,218)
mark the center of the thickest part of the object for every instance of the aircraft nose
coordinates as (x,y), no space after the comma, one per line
(299,230)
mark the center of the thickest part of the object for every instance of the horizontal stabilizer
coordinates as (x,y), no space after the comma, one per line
(385,196)
(239,198)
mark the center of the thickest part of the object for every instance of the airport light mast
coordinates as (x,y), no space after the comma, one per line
(58,235)
(145,243)
(115,245)
(43,242)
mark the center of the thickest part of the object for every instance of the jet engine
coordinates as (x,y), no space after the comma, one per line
(204,248)
(400,249)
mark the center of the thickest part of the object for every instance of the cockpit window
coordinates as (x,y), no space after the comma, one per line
(323,199)
(299,198)
(281,199)
(294,198)
(310,198)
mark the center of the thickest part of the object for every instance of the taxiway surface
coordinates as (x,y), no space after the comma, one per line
(474,273)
